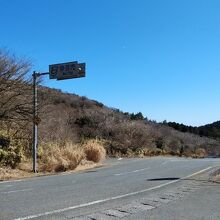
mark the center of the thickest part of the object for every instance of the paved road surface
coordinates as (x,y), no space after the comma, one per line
(97,193)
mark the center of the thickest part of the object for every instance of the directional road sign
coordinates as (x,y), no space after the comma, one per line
(68,70)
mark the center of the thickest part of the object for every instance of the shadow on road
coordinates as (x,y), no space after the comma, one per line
(186,179)
(91,171)
(163,179)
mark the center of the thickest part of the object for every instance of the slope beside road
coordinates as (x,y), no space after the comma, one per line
(100,193)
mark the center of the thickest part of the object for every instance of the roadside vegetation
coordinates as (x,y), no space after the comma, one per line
(75,131)
(54,157)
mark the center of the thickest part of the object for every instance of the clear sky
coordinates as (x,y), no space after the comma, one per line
(160,57)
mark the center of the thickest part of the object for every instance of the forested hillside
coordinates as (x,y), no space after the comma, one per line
(69,116)
(209,130)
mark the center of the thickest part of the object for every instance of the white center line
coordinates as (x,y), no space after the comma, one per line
(134,171)
(10,181)
(15,191)
(8,185)
(107,199)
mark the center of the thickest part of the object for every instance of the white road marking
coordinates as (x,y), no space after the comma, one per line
(8,185)
(124,162)
(10,181)
(194,174)
(134,171)
(173,160)
(179,160)
(108,199)
(15,191)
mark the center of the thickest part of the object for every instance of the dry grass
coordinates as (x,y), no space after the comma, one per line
(57,158)
(8,173)
(94,151)
(199,153)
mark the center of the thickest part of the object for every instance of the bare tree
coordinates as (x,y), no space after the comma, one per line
(15,90)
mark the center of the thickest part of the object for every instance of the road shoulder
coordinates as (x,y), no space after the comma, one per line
(201,204)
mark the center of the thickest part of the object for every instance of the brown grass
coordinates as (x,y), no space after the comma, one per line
(200,153)
(94,151)
(8,173)
(59,158)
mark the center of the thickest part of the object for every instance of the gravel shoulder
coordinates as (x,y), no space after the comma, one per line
(201,204)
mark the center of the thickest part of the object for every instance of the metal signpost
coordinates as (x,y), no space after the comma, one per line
(60,71)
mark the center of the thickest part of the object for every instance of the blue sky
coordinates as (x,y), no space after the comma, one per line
(158,57)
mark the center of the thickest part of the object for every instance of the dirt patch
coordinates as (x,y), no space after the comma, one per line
(8,173)
(215,175)
(217,178)
(14,174)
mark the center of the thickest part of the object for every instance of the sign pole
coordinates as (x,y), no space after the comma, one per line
(35,127)
(58,71)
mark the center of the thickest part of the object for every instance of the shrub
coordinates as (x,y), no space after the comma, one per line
(4,142)
(201,153)
(94,151)
(155,152)
(9,158)
(159,143)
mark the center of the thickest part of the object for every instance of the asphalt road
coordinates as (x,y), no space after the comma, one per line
(85,194)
